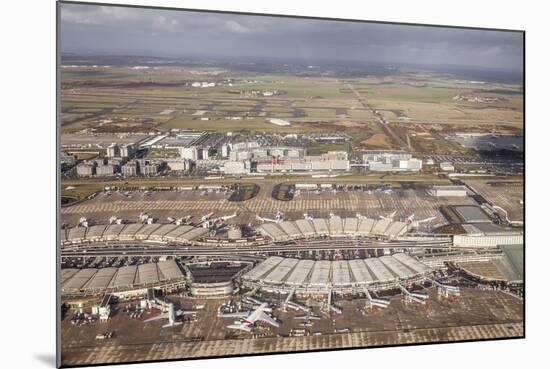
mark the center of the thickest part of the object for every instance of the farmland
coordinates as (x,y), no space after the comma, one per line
(417,106)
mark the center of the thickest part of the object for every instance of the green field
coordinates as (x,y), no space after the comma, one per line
(133,100)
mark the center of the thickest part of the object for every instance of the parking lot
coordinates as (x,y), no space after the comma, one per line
(507,195)
(163,204)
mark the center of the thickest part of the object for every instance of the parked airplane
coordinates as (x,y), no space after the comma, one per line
(307,318)
(206,217)
(249,318)
(227,217)
(262,219)
(278,218)
(224,218)
(172,314)
(426,220)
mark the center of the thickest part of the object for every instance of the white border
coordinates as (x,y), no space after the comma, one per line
(28,186)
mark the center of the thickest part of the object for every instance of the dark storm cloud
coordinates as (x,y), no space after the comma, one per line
(118,30)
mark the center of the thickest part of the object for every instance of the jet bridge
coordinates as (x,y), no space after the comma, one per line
(372,302)
(419,298)
(444,290)
(329,305)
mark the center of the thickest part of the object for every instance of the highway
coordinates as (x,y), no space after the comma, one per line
(157,249)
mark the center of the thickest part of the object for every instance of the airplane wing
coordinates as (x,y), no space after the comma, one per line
(241,314)
(242,327)
(266,318)
(160,316)
(184,312)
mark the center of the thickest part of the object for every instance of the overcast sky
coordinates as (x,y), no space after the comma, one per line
(151,32)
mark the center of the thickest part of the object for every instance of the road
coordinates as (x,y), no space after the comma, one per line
(133,249)
(379,119)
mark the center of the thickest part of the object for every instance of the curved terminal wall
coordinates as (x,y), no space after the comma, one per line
(285,274)
(94,281)
(132,232)
(212,289)
(333,227)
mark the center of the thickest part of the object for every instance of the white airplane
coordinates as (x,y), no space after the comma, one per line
(389,217)
(410,218)
(307,216)
(360,216)
(225,217)
(278,218)
(307,318)
(206,217)
(172,314)
(426,220)
(249,318)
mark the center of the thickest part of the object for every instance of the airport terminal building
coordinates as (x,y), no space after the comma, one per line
(344,277)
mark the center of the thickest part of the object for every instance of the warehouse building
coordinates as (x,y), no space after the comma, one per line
(85,169)
(180,165)
(449,191)
(123,151)
(106,170)
(236,167)
(487,241)
(130,169)
(149,169)
(447,167)
(391,161)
